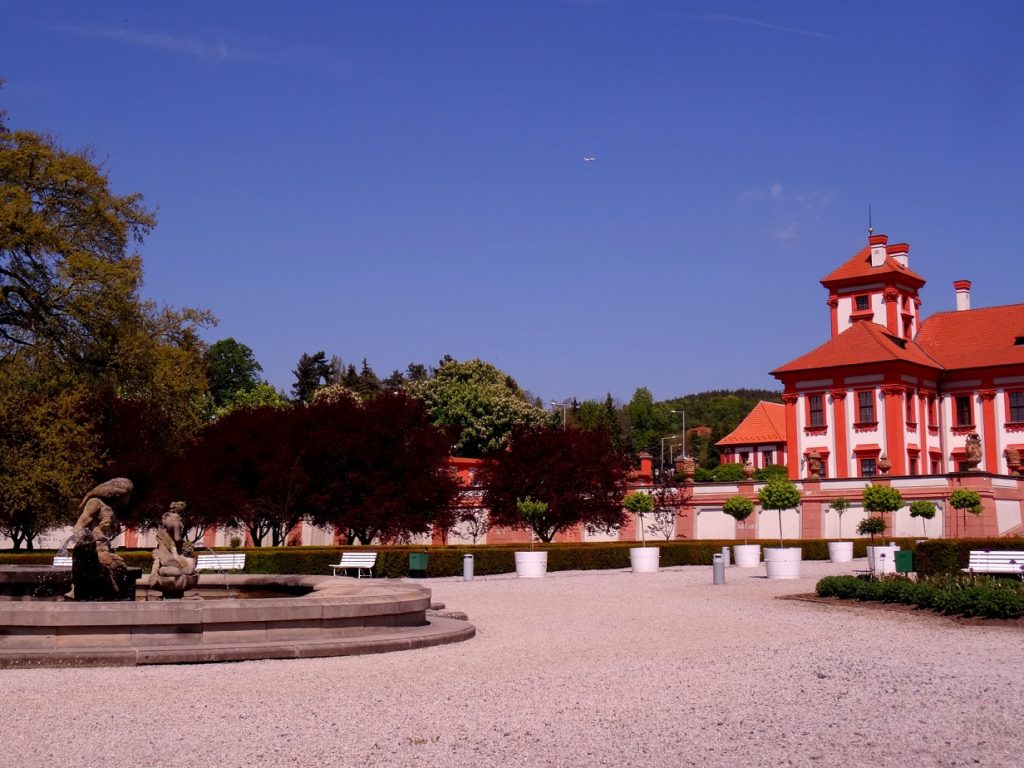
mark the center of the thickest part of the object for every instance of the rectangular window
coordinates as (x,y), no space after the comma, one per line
(933,413)
(865,407)
(911,416)
(936,467)
(769,457)
(913,466)
(867,467)
(964,412)
(816,417)
(862,303)
(744,455)
(1017,407)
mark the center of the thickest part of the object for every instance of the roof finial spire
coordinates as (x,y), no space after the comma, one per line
(871,229)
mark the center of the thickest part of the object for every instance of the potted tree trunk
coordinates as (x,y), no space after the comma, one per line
(840,551)
(745,555)
(643,559)
(879,499)
(782,562)
(886,558)
(925,510)
(965,500)
(532,564)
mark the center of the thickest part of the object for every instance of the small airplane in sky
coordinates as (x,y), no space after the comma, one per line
(589,159)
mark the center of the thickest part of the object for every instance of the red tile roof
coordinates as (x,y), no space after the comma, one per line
(975,338)
(860,266)
(765,424)
(863,342)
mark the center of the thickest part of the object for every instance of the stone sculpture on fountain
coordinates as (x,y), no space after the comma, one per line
(96,571)
(173,570)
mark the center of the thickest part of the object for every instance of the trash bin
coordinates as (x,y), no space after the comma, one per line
(904,561)
(417,563)
(718,569)
(727,556)
(467,567)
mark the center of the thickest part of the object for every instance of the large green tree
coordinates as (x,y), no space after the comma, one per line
(66,271)
(311,373)
(231,367)
(479,402)
(48,452)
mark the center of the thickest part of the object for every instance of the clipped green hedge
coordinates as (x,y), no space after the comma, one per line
(952,595)
(393,562)
(944,556)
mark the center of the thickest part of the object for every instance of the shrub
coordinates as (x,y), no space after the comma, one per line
(740,508)
(959,595)
(728,473)
(771,472)
(702,475)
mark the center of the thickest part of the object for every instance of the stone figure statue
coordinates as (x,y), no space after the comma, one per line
(173,571)
(96,571)
(972,451)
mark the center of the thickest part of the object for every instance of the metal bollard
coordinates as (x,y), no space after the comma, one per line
(467,567)
(718,568)
(727,555)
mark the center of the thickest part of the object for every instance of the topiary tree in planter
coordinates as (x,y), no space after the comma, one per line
(533,512)
(639,504)
(879,499)
(839,505)
(740,508)
(925,510)
(966,500)
(872,526)
(779,495)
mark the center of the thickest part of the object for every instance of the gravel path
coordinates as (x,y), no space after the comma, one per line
(578,669)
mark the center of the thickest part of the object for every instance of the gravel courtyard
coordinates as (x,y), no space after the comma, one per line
(578,669)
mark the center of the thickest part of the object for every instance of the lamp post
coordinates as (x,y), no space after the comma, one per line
(564,406)
(669,437)
(683,431)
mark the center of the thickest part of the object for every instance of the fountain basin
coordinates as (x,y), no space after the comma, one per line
(336,616)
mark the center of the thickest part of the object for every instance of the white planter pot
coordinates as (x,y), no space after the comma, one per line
(840,551)
(783,563)
(531,565)
(746,555)
(644,559)
(882,560)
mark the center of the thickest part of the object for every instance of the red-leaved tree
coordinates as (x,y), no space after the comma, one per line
(577,473)
(244,469)
(378,469)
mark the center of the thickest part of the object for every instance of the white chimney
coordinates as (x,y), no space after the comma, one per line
(899,253)
(877,243)
(963,294)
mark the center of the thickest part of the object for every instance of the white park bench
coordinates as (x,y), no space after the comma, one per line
(221,561)
(996,561)
(361,561)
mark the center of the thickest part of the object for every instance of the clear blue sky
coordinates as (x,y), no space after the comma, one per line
(405,180)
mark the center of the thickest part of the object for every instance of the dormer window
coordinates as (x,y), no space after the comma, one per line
(861,303)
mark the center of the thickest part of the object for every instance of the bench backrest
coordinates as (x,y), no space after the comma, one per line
(1002,561)
(358,559)
(226,561)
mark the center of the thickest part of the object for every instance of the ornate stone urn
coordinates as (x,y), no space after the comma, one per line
(689,470)
(972,452)
(884,465)
(814,466)
(1013,461)
(748,470)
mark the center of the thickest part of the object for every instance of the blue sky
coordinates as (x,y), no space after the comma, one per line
(404,180)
